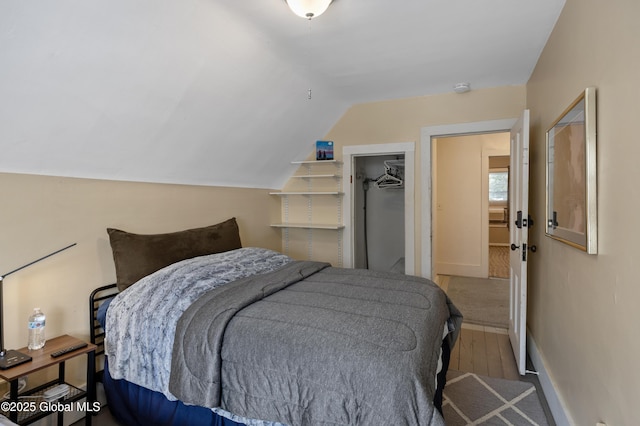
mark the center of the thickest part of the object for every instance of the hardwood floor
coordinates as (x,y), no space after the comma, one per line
(485,351)
(482,350)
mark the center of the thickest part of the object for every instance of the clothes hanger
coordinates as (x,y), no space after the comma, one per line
(391,178)
(389,181)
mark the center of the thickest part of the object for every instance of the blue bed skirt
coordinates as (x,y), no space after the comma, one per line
(131,405)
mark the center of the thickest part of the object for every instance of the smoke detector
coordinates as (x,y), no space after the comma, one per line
(461,87)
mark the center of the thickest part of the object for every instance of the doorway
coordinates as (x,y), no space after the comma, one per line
(499,216)
(462,217)
(519,168)
(427,135)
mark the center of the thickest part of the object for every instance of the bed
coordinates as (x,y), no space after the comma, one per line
(225,335)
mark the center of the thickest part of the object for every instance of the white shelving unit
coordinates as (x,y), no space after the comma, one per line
(285,193)
(312,192)
(308,226)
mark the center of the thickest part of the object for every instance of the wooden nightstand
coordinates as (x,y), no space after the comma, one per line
(36,408)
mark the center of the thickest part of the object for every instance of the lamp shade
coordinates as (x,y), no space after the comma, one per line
(308,8)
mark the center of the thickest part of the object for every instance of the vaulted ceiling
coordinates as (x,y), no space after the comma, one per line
(215,92)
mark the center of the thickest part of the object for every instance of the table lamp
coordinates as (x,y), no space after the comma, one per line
(11,358)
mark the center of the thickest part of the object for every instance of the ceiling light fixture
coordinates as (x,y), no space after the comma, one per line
(461,87)
(308,8)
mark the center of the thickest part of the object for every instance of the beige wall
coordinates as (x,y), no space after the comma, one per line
(461,191)
(402,121)
(42,214)
(583,309)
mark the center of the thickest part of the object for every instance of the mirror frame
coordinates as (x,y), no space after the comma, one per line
(571,213)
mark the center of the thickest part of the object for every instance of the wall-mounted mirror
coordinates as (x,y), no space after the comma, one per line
(571,175)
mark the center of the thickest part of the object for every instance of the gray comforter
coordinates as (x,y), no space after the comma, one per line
(310,344)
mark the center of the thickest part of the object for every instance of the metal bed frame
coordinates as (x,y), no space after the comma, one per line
(96,333)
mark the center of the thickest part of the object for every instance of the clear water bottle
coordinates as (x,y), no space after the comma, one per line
(36,330)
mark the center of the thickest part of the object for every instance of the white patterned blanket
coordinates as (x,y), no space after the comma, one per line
(141,321)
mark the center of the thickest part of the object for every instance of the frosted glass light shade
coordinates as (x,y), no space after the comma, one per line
(308,8)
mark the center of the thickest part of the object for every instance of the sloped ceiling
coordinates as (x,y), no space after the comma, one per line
(215,92)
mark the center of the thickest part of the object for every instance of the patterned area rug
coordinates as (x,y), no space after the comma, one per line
(470,399)
(499,261)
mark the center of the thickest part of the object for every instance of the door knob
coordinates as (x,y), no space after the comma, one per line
(533,248)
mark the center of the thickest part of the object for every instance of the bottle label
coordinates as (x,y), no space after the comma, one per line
(36,324)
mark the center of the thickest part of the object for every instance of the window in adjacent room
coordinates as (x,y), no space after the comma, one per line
(499,186)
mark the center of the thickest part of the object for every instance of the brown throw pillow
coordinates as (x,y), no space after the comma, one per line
(137,256)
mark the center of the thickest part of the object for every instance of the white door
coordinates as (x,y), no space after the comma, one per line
(519,231)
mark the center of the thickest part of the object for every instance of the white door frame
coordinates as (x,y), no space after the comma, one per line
(426,146)
(348,235)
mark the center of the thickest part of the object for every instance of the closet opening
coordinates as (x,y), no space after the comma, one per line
(379,212)
(352,216)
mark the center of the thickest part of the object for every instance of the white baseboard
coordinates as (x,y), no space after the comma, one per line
(464,270)
(558,410)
